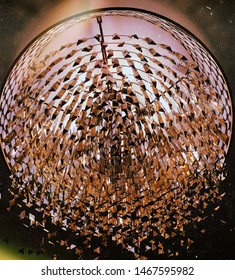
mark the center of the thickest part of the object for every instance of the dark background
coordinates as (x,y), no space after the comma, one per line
(216,21)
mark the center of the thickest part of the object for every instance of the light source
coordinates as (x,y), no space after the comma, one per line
(115,123)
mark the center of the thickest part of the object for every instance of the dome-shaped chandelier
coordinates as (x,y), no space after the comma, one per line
(115,123)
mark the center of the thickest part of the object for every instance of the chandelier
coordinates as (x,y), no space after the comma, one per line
(115,125)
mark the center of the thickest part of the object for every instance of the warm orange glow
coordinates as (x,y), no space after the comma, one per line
(71,7)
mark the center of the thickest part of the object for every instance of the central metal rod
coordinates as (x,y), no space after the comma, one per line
(103,47)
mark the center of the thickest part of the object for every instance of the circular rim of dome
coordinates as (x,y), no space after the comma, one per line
(143,11)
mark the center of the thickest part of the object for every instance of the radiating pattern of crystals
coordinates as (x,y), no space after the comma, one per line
(131,147)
